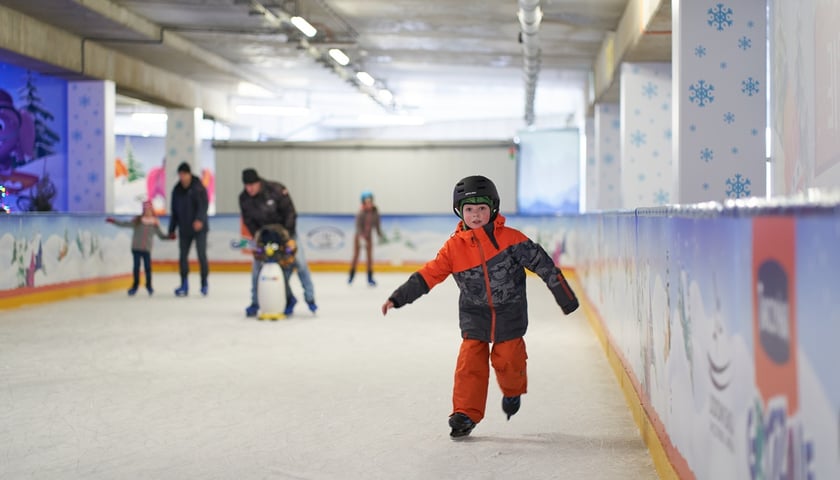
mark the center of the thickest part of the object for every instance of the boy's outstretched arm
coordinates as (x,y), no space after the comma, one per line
(533,257)
(387,306)
(411,290)
(421,281)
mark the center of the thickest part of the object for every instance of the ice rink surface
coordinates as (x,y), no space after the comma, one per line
(118,387)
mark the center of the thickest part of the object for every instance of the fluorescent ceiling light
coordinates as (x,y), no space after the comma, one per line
(303,26)
(339,56)
(385,95)
(365,78)
(272,110)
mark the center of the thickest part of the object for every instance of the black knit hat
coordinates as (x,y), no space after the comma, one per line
(249,175)
(184,167)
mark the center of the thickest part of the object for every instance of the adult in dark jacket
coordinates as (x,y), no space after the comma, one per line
(262,203)
(189,216)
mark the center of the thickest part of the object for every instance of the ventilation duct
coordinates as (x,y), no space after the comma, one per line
(530,16)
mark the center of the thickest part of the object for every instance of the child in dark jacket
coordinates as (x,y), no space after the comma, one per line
(145,226)
(487,260)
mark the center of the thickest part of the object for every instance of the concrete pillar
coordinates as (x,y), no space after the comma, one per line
(719,55)
(183,138)
(647,171)
(608,156)
(90,146)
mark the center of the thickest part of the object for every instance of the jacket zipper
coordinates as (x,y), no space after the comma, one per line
(487,287)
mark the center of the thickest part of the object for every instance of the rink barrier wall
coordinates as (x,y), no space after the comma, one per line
(721,323)
(57,250)
(667,460)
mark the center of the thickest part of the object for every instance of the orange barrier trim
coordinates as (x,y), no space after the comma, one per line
(668,461)
(20,297)
(245,266)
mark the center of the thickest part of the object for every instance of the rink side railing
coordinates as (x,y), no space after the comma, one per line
(56,256)
(719,320)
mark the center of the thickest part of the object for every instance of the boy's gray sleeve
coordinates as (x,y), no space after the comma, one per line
(533,257)
(411,290)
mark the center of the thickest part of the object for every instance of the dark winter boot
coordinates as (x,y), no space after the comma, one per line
(370,279)
(510,405)
(350,278)
(461,425)
(183,290)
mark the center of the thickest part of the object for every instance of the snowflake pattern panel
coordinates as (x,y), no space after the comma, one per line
(721,62)
(647,171)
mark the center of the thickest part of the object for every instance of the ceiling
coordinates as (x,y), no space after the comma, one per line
(444,61)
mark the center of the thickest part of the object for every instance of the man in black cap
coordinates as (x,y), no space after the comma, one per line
(189,216)
(264,203)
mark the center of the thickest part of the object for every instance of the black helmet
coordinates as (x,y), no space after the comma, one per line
(475,186)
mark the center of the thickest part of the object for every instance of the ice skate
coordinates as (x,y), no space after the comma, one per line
(132,291)
(290,306)
(252,310)
(183,290)
(510,405)
(371,282)
(350,278)
(312,306)
(150,290)
(204,290)
(461,425)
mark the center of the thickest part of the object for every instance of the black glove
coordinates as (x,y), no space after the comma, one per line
(570,307)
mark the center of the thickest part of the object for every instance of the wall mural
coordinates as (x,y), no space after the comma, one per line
(32,151)
(139,174)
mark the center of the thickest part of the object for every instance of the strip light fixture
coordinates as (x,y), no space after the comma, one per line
(365,78)
(366,83)
(305,27)
(340,57)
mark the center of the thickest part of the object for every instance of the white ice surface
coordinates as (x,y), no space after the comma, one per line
(112,387)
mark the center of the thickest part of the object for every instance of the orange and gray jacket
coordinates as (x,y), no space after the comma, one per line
(488,265)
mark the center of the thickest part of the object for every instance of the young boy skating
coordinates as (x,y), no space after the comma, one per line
(487,261)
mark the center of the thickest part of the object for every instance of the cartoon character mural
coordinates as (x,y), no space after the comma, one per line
(28,134)
(17,134)
(156,188)
(144,173)
(17,145)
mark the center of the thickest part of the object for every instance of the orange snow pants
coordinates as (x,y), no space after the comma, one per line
(472,374)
